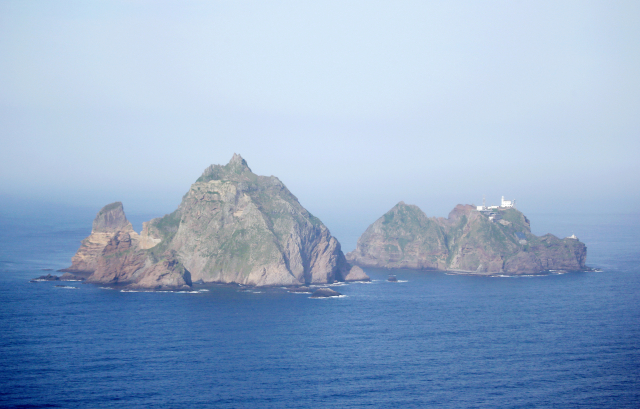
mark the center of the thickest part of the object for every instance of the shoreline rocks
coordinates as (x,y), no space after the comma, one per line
(300,290)
(47,277)
(70,277)
(324,293)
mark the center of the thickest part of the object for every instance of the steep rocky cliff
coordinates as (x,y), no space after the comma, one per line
(468,240)
(112,255)
(108,222)
(232,226)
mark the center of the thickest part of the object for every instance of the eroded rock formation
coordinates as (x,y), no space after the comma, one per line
(112,254)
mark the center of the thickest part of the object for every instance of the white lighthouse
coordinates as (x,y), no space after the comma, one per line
(507,203)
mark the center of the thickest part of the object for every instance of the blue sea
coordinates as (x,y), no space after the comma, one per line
(430,340)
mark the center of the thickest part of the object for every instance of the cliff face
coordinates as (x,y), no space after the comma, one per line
(236,226)
(113,255)
(232,226)
(109,221)
(467,240)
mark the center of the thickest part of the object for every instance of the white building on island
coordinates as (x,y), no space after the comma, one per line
(504,204)
(507,203)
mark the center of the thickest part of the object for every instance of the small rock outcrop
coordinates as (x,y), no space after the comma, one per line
(302,289)
(476,242)
(357,274)
(47,277)
(324,293)
(232,226)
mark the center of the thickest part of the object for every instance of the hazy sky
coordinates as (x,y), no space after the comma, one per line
(353,105)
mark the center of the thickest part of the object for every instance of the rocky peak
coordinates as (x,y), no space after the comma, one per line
(110,218)
(237,170)
(399,208)
(459,211)
(403,211)
(237,162)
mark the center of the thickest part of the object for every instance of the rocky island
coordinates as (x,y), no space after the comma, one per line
(232,226)
(469,240)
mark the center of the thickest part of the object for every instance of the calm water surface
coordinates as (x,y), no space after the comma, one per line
(433,339)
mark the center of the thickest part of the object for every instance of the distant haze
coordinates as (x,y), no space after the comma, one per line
(353,105)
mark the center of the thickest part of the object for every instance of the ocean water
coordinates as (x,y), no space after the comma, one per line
(430,340)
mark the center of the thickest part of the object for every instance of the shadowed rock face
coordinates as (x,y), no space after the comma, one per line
(111,219)
(467,240)
(232,226)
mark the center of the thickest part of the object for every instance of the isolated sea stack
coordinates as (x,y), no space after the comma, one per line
(470,240)
(232,226)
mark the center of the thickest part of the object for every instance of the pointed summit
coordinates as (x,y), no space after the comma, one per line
(110,218)
(236,169)
(237,158)
(238,164)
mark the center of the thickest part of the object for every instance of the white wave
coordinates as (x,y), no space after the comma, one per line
(333,296)
(68,287)
(187,292)
(402,281)
(107,288)
(204,290)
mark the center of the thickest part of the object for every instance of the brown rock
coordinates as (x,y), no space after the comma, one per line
(109,221)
